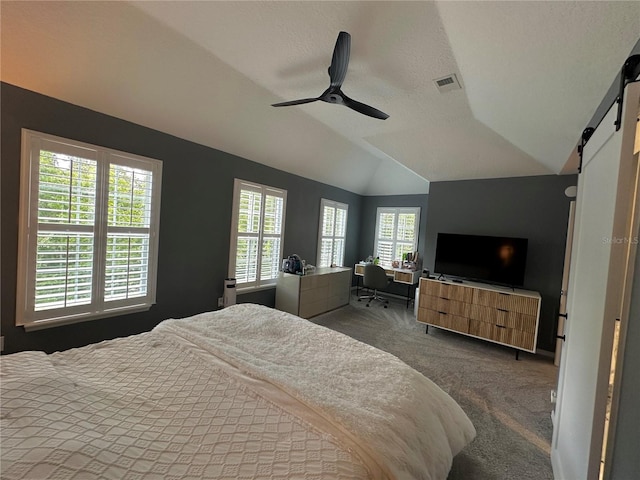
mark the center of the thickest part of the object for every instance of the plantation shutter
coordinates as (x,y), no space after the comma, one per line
(396,233)
(257,237)
(333,229)
(66,220)
(340,235)
(88,231)
(406,234)
(272,234)
(128,232)
(248,234)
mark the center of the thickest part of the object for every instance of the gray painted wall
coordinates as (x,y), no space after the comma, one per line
(529,207)
(195,216)
(368,225)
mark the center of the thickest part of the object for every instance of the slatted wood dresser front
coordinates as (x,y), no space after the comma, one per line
(491,313)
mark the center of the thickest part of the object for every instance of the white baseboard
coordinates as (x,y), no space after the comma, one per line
(556,466)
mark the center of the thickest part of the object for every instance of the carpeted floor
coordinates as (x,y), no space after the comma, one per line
(507,400)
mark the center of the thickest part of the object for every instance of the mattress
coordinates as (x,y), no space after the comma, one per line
(247,392)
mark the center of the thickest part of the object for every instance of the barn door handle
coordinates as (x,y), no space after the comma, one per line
(563,315)
(561,337)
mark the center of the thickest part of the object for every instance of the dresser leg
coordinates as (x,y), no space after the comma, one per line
(517,354)
(427,330)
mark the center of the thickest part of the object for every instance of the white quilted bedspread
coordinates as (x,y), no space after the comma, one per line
(243,393)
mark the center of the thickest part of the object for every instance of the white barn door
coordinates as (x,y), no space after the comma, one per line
(606,189)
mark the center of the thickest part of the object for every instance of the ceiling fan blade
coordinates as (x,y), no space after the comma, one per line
(294,102)
(364,109)
(340,59)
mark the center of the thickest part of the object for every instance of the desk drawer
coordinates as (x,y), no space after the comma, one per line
(404,277)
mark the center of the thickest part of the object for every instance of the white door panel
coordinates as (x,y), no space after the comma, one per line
(594,299)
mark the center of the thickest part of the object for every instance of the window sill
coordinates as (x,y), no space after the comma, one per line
(58,322)
(243,290)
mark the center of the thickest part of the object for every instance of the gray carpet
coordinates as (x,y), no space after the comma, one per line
(507,400)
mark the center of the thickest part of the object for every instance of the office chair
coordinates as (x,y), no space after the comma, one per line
(375,278)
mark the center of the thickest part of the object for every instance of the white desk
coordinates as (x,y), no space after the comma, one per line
(399,275)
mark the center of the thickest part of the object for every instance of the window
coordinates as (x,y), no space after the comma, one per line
(256,234)
(88,231)
(333,232)
(396,233)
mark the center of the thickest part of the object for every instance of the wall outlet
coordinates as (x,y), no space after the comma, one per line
(2,344)
(221,301)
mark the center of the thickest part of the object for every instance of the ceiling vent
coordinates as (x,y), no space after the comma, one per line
(448,83)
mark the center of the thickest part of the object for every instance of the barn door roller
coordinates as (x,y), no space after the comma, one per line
(630,71)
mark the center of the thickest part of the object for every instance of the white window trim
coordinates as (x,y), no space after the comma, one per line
(238,185)
(26,315)
(331,203)
(396,211)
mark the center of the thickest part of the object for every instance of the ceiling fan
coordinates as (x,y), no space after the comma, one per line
(337,72)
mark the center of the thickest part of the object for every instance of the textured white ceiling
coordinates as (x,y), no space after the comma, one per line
(532,75)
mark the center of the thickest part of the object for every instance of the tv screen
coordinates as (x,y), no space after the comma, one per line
(500,260)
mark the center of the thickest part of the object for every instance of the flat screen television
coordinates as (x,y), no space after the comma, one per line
(499,260)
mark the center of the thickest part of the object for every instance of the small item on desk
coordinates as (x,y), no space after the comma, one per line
(395,264)
(292,264)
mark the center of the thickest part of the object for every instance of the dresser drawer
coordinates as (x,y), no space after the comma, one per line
(456,292)
(445,320)
(506,301)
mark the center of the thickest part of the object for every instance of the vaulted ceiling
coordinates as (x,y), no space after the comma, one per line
(532,75)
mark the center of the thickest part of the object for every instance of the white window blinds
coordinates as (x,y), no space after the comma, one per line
(332,233)
(128,232)
(396,233)
(66,214)
(88,231)
(256,234)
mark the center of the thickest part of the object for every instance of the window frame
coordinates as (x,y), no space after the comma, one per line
(27,316)
(238,183)
(396,211)
(324,203)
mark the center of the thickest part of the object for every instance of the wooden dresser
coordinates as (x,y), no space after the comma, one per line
(499,315)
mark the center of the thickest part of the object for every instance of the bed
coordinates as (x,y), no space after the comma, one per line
(246,392)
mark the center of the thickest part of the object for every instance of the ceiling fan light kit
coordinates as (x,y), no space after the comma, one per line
(337,74)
